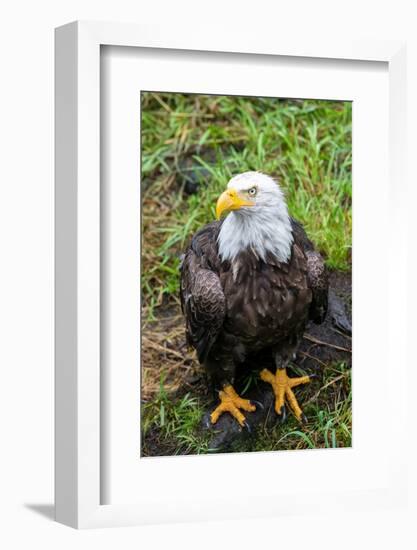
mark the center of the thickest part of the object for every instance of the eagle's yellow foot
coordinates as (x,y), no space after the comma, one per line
(282,386)
(231,403)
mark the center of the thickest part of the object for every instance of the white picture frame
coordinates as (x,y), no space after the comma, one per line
(78,264)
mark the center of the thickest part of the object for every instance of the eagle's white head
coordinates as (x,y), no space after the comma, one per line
(257,218)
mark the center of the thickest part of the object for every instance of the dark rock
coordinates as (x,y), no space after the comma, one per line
(190,175)
(337,313)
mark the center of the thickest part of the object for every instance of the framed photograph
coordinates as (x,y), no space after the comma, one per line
(221,205)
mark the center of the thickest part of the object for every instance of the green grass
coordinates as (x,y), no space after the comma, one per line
(176,422)
(305,144)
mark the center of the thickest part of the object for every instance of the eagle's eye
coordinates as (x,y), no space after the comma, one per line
(252,192)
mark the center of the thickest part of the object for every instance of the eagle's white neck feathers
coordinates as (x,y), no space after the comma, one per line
(262,228)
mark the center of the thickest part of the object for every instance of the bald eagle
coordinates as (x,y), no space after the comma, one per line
(250,282)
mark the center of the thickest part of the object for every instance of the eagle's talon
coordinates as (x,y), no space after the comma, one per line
(206,423)
(304,419)
(282,386)
(246,425)
(257,404)
(231,402)
(283,414)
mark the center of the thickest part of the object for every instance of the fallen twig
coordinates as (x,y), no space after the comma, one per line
(328,344)
(305,354)
(341,333)
(158,347)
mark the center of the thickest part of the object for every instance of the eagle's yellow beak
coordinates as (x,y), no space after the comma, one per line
(230,200)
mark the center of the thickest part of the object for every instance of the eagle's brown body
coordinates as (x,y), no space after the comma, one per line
(233,308)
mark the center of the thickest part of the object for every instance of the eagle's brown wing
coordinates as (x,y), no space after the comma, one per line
(202,299)
(318,277)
